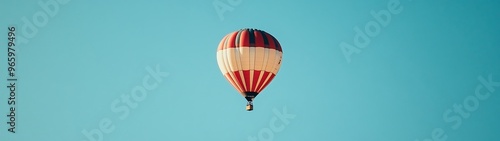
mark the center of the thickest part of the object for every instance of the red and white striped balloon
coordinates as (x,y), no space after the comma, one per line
(249,59)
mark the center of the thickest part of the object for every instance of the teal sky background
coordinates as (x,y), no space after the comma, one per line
(87,55)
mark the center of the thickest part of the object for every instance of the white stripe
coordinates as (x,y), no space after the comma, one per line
(264,63)
(244,53)
(237,55)
(259,58)
(271,60)
(277,63)
(249,58)
(252,66)
(263,59)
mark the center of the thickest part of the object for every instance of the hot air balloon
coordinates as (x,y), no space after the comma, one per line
(249,59)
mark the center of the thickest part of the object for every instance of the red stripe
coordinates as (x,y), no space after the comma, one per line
(278,45)
(231,42)
(259,39)
(231,80)
(257,86)
(221,44)
(239,80)
(256,74)
(262,80)
(271,41)
(244,39)
(271,77)
(246,74)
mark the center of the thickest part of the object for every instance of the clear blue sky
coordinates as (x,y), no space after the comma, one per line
(402,86)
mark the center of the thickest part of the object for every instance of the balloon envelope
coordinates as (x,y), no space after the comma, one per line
(249,59)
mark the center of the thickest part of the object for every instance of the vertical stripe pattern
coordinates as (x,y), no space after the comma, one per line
(249,59)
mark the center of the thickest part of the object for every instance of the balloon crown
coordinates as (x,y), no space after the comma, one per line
(254,29)
(251,29)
